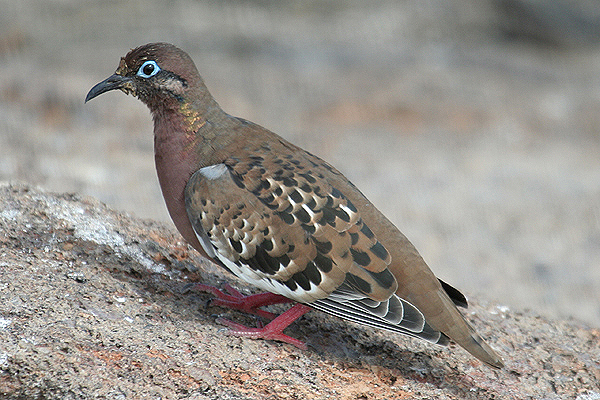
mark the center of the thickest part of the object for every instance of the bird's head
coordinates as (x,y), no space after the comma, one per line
(156,73)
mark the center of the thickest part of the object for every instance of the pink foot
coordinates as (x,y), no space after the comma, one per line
(237,301)
(274,329)
(251,304)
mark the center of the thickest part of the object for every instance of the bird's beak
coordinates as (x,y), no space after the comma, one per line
(111,83)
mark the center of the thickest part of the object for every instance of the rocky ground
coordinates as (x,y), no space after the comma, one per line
(96,304)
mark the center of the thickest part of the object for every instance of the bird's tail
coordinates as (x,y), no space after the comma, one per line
(452,323)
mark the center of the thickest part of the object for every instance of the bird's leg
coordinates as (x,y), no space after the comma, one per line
(274,329)
(238,301)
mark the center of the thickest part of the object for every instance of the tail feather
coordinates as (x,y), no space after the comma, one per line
(480,349)
(456,327)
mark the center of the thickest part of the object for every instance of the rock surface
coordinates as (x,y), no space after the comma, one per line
(97,304)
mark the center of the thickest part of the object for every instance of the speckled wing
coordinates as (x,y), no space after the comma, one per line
(276,222)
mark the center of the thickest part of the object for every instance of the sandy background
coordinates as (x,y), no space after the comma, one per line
(481,146)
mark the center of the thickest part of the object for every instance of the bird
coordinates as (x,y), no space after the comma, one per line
(281,218)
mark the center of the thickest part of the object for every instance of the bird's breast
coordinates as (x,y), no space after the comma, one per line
(175,163)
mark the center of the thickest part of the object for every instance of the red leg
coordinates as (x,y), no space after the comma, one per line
(238,301)
(274,329)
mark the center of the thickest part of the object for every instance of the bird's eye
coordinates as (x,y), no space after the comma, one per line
(148,69)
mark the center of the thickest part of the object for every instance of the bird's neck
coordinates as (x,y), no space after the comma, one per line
(187,136)
(192,133)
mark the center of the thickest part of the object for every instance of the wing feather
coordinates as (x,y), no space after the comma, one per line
(279,224)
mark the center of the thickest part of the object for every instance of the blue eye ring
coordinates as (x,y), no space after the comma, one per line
(148,69)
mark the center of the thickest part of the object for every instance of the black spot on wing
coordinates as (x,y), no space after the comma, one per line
(267,245)
(312,273)
(286,217)
(302,216)
(311,204)
(385,279)
(265,184)
(289,182)
(295,196)
(305,187)
(308,176)
(379,251)
(350,206)
(261,261)
(341,214)
(360,257)
(310,229)
(322,247)
(354,237)
(283,259)
(367,232)
(324,263)
(358,283)
(327,216)
(301,280)
(329,202)
(291,284)
(336,193)
(268,200)
(237,246)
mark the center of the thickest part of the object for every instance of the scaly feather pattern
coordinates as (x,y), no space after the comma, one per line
(287,230)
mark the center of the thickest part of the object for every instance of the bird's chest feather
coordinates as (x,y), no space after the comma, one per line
(175,163)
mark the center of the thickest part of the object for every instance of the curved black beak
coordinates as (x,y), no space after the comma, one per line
(111,83)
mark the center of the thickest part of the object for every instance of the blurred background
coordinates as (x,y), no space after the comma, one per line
(474,126)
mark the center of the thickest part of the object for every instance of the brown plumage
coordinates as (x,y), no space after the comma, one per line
(281,218)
